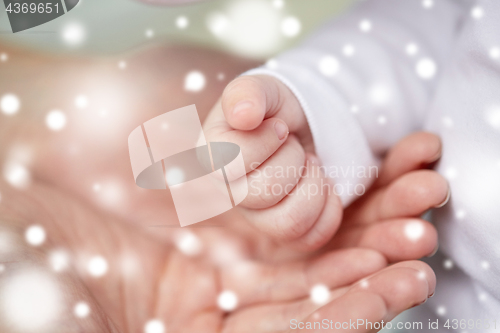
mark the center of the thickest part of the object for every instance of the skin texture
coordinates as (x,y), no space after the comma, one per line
(148,276)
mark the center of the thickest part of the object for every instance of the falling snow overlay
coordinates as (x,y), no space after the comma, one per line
(82,247)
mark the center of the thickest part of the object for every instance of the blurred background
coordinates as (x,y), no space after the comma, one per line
(251,28)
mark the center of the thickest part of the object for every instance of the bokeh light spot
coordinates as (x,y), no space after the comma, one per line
(320,294)
(35,235)
(31,301)
(10,104)
(188,243)
(328,65)
(477,12)
(195,81)
(59,260)
(414,230)
(55,120)
(365,25)
(81,101)
(17,175)
(426,68)
(448,264)
(227,300)
(154,326)
(73,34)
(97,266)
(411,49)
(291,26)
(182,22)
(81,310)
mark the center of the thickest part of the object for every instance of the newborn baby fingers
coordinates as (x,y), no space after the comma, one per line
(298,212)
(276,177)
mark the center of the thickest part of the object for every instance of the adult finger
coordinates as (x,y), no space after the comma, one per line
(410,195)
(413,152)
(398,239)
(291,281)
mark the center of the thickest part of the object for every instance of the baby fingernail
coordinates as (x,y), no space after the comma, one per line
(435,157)
(434,252)
(445,200)
(241,106)
(417,304)
(281,129)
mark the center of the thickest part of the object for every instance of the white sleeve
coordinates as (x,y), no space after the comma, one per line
(365,80)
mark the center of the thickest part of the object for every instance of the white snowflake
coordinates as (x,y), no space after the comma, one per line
(485,264)
(4,57)
(10,104)
(382,120)
(278,3)
(189,243)
(380,94)
(492,116)
(426,68)
(364,283)
(328,65)
(55,120)
(182,22)
(59,260)
(74,34)
(365,25)
(320,294)
(149,33)
(354,108)
(477,12)
(81,101)
(194,81)
(348,50)
(35,235)
(441,311)
(427,4)
(460,214)
(451,173)
(97,266)
(414,230)
(272,63)
(227,300)
(291,26)
(447,121)
(411,49)
(81,310)
(122,64)
(495,52)
(17,175)
(96,187)
(174,176)
(31,301)
(448,264)
(217,23)
(154,326)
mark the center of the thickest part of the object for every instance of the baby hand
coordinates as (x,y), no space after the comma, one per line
(289,197)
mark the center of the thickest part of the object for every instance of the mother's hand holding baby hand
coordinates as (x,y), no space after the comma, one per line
(257,112)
